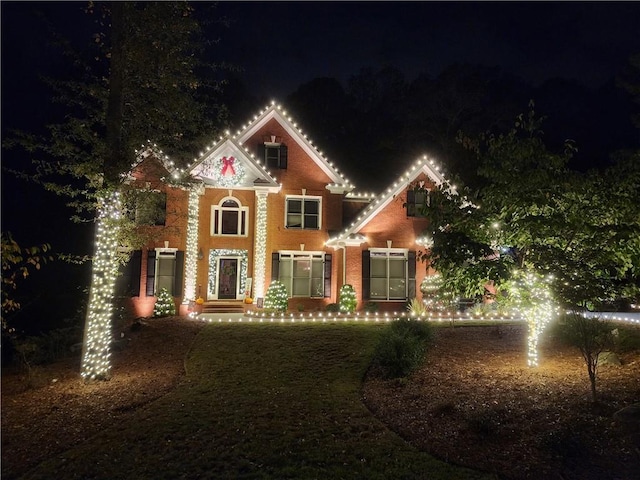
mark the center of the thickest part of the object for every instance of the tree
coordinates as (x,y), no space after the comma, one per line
(592,336)
(140,80)
(17,264)
(535,216)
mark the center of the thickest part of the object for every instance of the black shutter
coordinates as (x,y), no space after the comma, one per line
(366,269)
(261,153)
(135,265)
(411,274)
(275,266)
(151,272)
(284,156)
(327,275)
(178,277)
(411,203)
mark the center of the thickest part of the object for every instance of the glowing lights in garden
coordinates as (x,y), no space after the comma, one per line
(347,299)
(97,340)
(530,295)
(191,253)
(165,304)
(276,297)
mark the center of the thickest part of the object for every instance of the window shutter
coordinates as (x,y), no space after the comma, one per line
(178,277)
(366,268)
(135,263)
(261,153)
(411,274)
(327,275)
(284,156)
(411,203)
(151,272)
(275,266)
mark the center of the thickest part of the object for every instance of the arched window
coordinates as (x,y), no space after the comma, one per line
(229,217)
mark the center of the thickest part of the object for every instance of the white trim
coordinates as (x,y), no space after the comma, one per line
(388,256)
(239,294)
(243,212)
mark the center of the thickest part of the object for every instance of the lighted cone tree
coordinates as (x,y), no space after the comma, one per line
(276,297)
(347,299)
(165,305)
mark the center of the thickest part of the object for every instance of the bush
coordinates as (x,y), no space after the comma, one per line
(371,307)
(165,305)
(276,298)
(333,307)
(402,347)
(347,299)
(417,307)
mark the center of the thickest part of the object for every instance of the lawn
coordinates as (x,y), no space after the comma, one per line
(258,401)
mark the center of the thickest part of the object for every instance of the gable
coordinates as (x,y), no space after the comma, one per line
(424,168)
(228,164)
(262,125)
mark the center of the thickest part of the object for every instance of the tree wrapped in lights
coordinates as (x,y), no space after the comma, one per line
(347,299)
(165,305)
(276,297)
(529,294)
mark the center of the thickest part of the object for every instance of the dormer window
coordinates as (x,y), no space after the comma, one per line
(273,153)
(417,199)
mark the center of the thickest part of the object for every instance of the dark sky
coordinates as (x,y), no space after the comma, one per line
(281,44)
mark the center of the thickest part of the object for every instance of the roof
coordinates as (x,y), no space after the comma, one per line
(423,165)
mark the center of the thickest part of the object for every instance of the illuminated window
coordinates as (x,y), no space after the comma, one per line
(229,217)
(388,274)
(416,201)
(303,212)
(304,274)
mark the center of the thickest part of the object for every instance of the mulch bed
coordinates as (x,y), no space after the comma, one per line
(476,403)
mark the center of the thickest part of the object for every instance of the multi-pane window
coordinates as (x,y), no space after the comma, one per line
(388,274)
(416,201)
(274,155)
(303,212)
(229,217)
(302,273)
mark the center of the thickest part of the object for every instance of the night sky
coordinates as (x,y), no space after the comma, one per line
(281,45)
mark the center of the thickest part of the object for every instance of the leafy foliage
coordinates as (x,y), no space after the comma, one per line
(402,347)
(17,264)
(535,213)
(347,299)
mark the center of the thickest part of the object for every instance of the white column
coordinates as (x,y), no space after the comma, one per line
(191,253)
(260,246)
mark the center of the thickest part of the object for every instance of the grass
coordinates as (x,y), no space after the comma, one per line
(259,402)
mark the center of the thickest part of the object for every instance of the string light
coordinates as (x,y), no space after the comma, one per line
(191,253)
(95,356)
(225,252)
(260,248)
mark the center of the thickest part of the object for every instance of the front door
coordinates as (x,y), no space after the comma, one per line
(227,278)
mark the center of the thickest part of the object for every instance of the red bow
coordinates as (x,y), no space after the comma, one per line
(227,163)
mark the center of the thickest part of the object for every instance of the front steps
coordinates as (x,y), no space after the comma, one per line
(223,306)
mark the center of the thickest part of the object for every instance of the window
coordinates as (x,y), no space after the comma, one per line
(303,212)
(416,200)
(229,217)
(274,155)
(388,274)
(165,270)
(305,274)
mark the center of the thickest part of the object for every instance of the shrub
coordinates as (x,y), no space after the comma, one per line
(276,297)
(371,307)
(417,308)
(165,305)
(402,347)
(333,307)
(347,299)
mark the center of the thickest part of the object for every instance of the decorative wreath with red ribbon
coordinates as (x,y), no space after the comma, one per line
(227,172)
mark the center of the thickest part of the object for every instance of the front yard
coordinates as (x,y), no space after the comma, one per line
(288,401)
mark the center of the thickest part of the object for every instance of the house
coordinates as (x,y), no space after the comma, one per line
(264,204)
